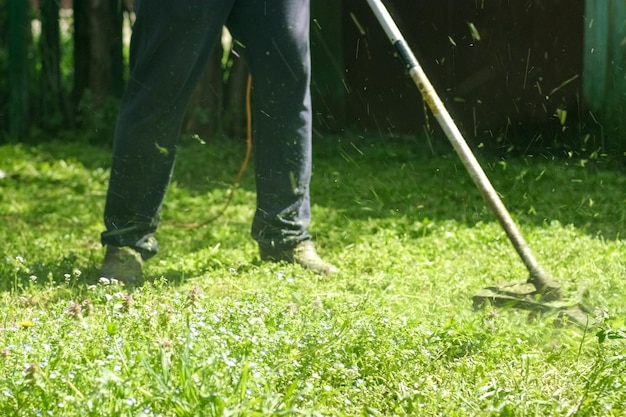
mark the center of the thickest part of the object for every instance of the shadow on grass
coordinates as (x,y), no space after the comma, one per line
(401,183)
(378,179)
(384,178)
(368,178)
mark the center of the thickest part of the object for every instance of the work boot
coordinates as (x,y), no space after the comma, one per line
(123,264)
(303,254)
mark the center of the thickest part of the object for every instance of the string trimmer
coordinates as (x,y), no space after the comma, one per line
(546,291)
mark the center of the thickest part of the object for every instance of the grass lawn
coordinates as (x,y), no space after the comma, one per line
(215,332)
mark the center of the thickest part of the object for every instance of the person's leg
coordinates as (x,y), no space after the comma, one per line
(170,46)
(275,41)
(171,43)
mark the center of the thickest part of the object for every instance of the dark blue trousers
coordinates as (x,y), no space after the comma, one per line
(170,46)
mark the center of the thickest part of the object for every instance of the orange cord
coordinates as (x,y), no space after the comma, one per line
(243,166)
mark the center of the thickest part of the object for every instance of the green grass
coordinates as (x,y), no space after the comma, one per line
(216,332)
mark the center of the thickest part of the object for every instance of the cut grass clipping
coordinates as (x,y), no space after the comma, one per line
(215,332)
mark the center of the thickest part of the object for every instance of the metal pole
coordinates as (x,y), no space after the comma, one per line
(538,277)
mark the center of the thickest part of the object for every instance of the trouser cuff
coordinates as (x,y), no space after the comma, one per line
(145,244)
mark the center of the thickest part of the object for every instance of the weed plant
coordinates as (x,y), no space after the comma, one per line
(215,332)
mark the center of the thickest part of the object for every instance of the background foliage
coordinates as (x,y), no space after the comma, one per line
(512,74)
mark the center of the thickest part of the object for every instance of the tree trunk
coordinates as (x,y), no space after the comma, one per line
(4,93)
(206,106)
(235,99)
(218,102)
(82,50)
(101,35)
(117,48)
(98,46)
(50,44)
(18,43)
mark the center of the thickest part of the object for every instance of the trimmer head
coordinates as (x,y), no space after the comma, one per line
(527,296)
(545,287)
